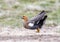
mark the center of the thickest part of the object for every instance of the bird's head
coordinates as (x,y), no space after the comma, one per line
(25,18)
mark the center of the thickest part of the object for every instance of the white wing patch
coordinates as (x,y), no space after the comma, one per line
(30,24)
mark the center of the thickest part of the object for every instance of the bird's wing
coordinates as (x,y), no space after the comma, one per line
(38,17)
(35,20)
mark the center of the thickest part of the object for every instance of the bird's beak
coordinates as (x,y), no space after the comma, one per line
(21,17)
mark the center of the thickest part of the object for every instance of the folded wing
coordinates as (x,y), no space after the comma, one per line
(38,17)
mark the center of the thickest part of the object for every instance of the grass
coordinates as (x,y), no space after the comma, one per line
(16,11)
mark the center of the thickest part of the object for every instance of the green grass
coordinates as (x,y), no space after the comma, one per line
(27,1)
(15,16)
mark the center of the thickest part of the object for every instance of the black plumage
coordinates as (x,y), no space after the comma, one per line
(35,22)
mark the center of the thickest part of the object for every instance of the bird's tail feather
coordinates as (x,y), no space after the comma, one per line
(45,17)
(39,16)
(42,21)
(42,12)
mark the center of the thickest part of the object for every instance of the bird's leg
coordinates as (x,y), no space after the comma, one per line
(38,30)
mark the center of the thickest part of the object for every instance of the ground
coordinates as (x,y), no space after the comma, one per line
(25,35)
(11,24)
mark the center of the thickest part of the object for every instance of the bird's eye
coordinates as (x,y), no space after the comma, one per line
(23,16)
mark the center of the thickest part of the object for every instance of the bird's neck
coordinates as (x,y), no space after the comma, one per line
(26,23)
(26,20)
